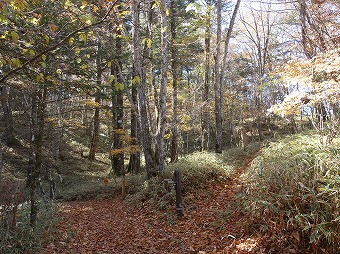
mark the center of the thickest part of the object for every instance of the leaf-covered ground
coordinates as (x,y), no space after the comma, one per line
(213,223)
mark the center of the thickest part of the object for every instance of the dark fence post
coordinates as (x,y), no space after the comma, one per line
(176,182)
(178,188)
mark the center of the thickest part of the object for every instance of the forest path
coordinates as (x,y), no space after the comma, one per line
(212,224)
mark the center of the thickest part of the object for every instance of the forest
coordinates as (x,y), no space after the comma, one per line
(103,100)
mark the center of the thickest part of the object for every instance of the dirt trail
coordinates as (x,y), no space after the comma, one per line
(212,224)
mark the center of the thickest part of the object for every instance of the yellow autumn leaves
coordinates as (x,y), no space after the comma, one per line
(317,78)
(129,147)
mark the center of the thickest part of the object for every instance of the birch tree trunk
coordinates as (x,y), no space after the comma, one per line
(221,71)
(160,151)
(146,138)
(224,71)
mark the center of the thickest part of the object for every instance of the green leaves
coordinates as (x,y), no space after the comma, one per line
(16,62)
(167,136)
(82,37)
(147,42)
(47,38)
(71,41)
(118,86)
(112,78)
(15,36)
(135,80)
(68,4)
(40,77)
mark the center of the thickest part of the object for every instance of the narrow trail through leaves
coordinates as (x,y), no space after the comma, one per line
(212,224)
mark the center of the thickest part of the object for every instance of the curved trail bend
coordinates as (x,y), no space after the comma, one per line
(212,224)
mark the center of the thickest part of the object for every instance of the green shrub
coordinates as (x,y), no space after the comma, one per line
(198,170)
(22,239)
(296,181)
(201,169)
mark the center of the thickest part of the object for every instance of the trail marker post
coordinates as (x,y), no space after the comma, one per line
(176,181)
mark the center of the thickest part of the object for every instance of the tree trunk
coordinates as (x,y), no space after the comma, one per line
(146,138)
(134,162)
(8,135)
(217,87)
(160,151)
(96,119)
(205,97)
(134,166)
(118,107)
(33,126)
(224,71)
(118,159)
(174,130)
(38,144)
(220,77)
(60,130)
(95,131)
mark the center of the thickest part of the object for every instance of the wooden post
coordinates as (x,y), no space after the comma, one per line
(178,188)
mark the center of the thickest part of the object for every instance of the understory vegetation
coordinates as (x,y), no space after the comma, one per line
(294,185)
(21,238)
(292,188)
(199,170)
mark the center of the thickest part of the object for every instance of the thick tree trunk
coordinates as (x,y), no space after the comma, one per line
(205,97)
(118,108)
(118,159)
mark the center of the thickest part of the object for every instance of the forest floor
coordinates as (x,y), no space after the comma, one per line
(213,222)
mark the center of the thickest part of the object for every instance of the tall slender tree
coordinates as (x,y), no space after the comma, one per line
(174,71)
(96,119)
(145,137)
(161,120)
(205,96)
(217,87)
